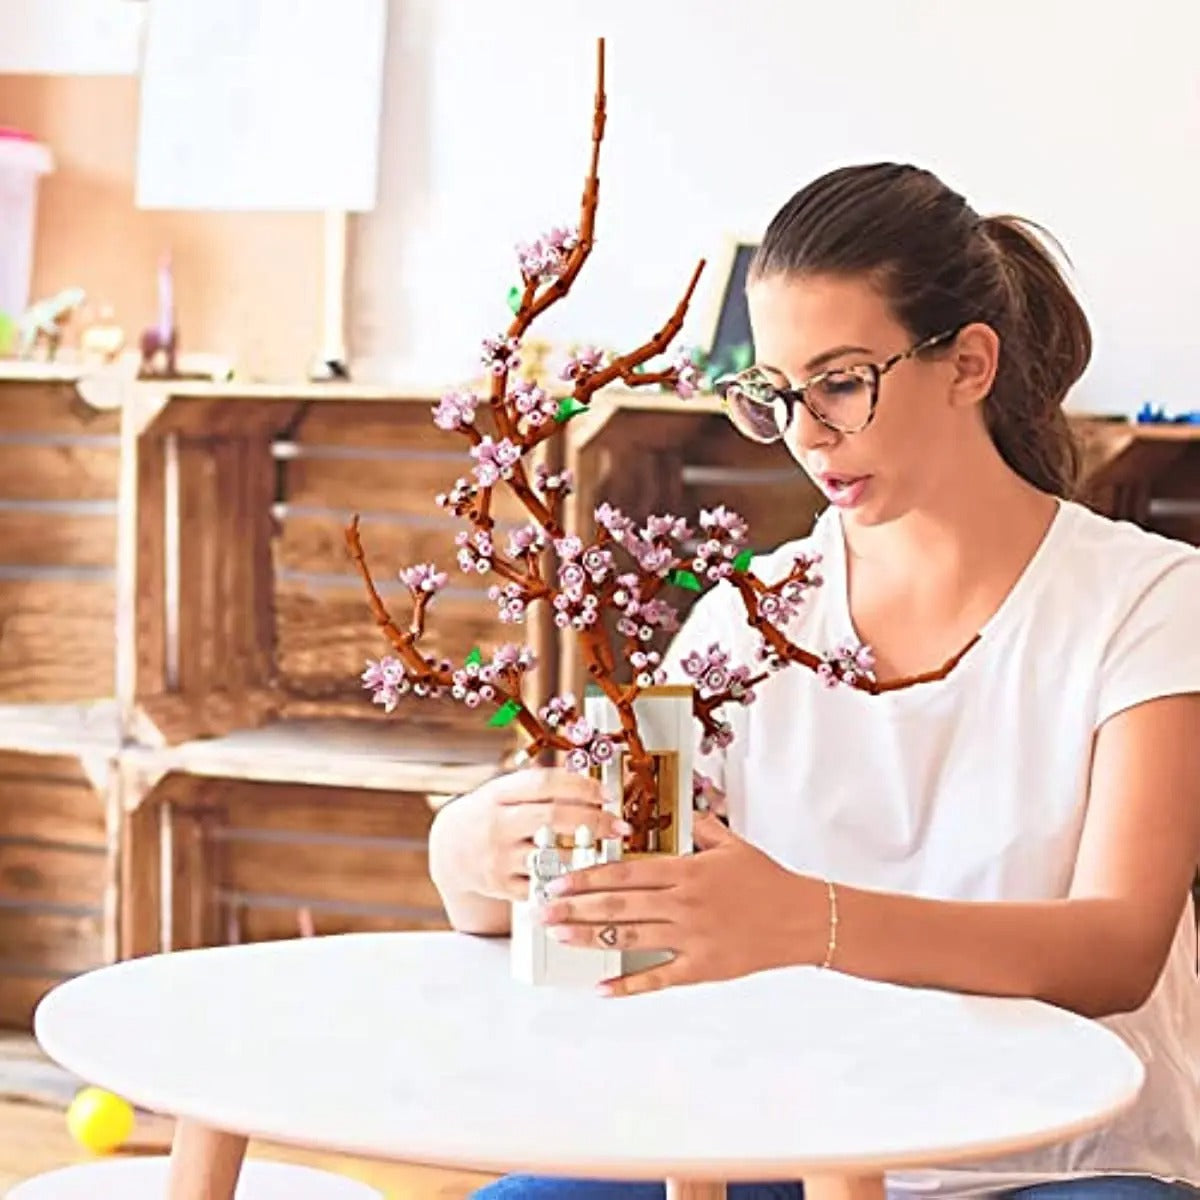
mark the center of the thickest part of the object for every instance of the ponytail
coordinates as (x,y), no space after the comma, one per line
(1044,351)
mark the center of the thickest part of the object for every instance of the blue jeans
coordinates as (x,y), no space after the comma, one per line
(540,1187)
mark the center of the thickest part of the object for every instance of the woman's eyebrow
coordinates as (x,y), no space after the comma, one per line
(829,355)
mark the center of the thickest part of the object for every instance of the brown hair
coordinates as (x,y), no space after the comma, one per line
(942,266)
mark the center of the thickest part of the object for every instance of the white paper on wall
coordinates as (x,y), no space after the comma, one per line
(261,105)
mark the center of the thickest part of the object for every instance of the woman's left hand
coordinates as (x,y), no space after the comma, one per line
(727,911)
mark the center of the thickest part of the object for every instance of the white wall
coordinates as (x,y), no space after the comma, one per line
(719,110)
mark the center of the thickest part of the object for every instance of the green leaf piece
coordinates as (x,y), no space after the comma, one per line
(506,714)
(743,560)
(514,299)
(475,658)
(568,408)
(686,579)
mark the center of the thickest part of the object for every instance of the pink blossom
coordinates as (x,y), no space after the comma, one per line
(557,709)
(527,539)
(560,481)
(496,460)
(455,410)
(387,681)
(475,551)
(511,657)
(533,403)
(458,498)
(546,257)
(687,375)
(583,362)
(424,577)
(850,663)
(501,354)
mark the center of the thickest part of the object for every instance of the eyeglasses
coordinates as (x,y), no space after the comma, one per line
(762,406)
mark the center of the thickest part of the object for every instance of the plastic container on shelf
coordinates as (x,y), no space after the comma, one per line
(23,161)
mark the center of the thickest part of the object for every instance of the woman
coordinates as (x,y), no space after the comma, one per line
(1029,824)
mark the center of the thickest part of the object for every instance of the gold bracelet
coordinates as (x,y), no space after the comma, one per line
(833,924)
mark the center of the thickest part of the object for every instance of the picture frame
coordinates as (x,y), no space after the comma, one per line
(725,341)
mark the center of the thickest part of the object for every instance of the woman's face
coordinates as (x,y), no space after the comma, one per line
(926,406)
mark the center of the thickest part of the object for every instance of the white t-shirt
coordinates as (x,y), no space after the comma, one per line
(975,787)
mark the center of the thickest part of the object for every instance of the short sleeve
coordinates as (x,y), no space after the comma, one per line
(1155,651)
(708,622)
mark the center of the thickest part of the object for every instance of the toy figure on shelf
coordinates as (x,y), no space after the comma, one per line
(43,324)
(609,588)
(159,341)
(102,340)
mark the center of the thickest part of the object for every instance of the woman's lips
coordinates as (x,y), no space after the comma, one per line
(844,490)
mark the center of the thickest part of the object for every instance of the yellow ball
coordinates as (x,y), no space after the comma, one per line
(98,1120)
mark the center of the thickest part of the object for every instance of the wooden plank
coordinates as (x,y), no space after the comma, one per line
(81,471)
(31,537)
(402,423)
(392,484)
(193,918)
(139,880)
(41,407)
(312,542)
(36,873)
(51,940)
(50,809)
(201,660)
(330,871)
(56,640)
(349,812)
(21,994)
(262,922)
(325,635)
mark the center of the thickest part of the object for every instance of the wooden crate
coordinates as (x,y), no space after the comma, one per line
(59,733)
(59,852)
(239,604)
(1148,474)
(244,837)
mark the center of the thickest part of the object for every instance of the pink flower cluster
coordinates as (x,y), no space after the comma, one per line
(387,681)
(547,481)
(528,539)
(455,410)
(501,354)
(458,497)
(582,363)
(848,664)
(475,551)
(510,602)
(495,460)
(687,375)
(423,577)
(714,676)
(533,403)
(591,749)
(639,617)
(546,257)
(725,536)
(476,682)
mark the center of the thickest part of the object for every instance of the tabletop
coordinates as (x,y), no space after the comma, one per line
(420,1047)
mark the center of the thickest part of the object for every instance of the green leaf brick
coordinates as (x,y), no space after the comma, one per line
(475,658)
(686,579)
(506,714)
(568,408)
(514,299)
(743,560)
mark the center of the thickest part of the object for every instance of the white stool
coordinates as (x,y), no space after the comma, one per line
(146,1179)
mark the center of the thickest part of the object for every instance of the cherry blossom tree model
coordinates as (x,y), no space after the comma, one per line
(622,569)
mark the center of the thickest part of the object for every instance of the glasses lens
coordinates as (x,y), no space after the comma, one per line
(753,406)
(843,398)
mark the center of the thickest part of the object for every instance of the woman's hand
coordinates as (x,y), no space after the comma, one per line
(727,911)
(480,842)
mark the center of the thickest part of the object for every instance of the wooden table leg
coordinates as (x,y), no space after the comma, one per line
(691,1189)
(844,1187)
(205,1163)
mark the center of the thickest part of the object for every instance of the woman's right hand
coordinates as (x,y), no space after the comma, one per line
(480,843)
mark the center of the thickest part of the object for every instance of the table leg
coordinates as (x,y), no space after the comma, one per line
(205,1163)
(844,1187)
(691,1189)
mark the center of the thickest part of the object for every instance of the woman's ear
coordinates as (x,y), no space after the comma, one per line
(975,356)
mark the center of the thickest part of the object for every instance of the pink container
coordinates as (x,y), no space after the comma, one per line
(23,162)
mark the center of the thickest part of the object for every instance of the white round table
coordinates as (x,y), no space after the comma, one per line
(420,1047)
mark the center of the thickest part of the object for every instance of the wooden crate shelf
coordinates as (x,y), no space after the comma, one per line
(239,604)
(230,838)
(59,848)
